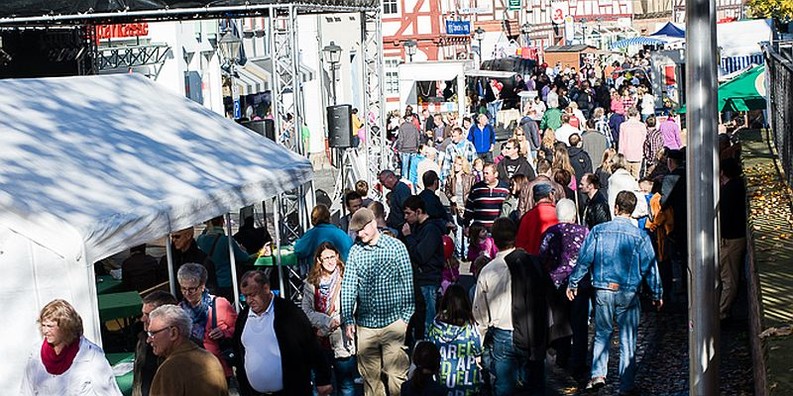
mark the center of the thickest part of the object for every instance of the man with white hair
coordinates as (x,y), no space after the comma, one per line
(187,369)
(552,118)
(559,254)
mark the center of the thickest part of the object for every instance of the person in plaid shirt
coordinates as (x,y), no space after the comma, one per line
(459,147)
(377,303)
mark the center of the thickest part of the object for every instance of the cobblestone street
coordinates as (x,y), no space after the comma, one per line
(662,356)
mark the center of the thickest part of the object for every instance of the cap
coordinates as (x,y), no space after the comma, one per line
(541,190)
(360,219)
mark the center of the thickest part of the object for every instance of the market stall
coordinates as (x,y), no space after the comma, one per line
(95,165)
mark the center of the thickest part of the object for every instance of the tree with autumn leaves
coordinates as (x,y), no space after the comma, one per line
(780,10)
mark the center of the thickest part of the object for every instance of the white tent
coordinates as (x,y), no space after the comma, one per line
(91,166)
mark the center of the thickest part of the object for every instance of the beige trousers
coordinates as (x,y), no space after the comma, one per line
(382,351)
(732,254)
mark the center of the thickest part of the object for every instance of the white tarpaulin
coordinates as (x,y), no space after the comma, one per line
(91,166)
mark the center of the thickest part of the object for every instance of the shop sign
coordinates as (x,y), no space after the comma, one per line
(513,5)
(458,28)
(124,30)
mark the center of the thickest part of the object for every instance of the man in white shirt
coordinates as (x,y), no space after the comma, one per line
(276,347)
(563,133)
(513,326)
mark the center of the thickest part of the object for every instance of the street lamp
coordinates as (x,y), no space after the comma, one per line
(332,56)
(410,48)
(479,35)
(525,29)
(229,45)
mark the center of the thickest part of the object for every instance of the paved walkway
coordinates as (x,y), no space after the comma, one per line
(771,255)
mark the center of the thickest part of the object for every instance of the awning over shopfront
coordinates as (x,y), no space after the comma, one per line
(252,79)
(265,63)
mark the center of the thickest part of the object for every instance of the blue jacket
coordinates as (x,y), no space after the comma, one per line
(306,246)
(618,255)
(483,140)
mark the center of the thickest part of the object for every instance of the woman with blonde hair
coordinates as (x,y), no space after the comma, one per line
(561,160)
(523,144)
(604,170)
(458,185)
(66,363)
(546,145)
(322,304)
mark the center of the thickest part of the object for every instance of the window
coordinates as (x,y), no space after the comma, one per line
(391,83)
(389,6)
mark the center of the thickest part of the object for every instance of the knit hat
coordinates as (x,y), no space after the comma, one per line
(360,219)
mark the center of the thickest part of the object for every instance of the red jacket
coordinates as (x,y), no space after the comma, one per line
(533,224)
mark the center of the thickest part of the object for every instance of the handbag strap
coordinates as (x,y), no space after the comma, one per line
(214,313)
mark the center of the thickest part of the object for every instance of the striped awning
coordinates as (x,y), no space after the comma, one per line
(636,41)
(306,73)
(251,79)
(733,64)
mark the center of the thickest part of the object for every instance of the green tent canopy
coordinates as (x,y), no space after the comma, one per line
(744,92)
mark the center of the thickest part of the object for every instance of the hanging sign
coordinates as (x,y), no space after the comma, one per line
(558,12)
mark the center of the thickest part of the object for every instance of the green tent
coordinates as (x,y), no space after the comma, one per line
(743,92)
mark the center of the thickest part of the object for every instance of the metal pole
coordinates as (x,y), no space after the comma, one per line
(277,240)
(232,263)
(333,82)
(169,258)
(703,192)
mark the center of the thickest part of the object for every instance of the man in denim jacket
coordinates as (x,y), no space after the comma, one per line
(618,255)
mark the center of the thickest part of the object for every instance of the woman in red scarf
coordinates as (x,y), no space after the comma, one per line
(322,304)
(66,363)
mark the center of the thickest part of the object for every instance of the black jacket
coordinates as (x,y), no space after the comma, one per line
(433,206)
(300,351)
(580,161)
(597,210)
(425,247)
(530,286)
(192,255)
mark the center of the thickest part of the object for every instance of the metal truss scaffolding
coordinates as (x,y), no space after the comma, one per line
(372,43)
(131,56)
(288,102)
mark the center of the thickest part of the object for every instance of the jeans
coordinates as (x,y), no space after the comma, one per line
(430,294)
(405,158)
(345,370)
(342,376)
(510,368)
(626,308)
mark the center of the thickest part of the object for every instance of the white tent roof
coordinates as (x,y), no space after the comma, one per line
(109,162)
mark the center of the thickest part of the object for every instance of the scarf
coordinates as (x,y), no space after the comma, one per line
(58,364)
(322,295)
(198,315)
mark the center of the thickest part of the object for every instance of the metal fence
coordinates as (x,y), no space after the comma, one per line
(779,61)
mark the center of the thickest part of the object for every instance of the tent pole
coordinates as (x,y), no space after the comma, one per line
(277,239)
(232,262)
(169,258)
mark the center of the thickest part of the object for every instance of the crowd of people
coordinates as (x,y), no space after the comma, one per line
(573,221)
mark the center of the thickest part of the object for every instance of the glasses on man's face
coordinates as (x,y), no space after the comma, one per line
(189,290)
(508,148)
(152,333)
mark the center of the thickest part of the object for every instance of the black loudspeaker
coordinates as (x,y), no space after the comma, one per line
(340,126)
(265,127)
